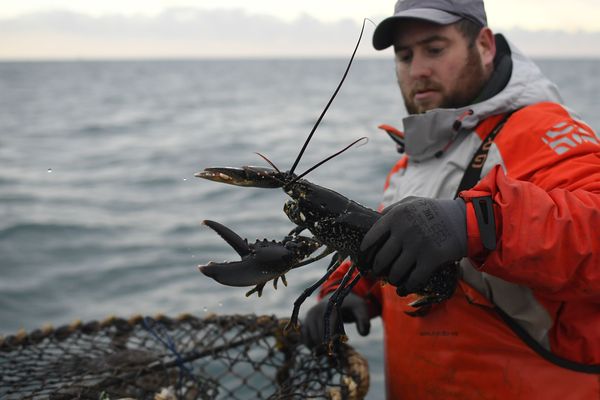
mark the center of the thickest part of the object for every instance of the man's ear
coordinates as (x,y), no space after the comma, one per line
(486,45)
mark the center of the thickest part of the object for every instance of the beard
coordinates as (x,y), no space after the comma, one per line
(465,89)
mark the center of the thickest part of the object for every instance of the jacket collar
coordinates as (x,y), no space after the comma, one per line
(428,135)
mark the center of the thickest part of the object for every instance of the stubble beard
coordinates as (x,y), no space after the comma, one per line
(468,85)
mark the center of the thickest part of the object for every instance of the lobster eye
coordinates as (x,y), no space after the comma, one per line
(290,206)
(291,209)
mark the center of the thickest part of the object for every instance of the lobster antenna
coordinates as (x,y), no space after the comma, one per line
(327,159)
(269,161)
(330,100)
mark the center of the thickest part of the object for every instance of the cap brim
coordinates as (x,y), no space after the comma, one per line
(383,37)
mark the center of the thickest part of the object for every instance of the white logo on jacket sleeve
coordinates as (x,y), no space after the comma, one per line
(566,136)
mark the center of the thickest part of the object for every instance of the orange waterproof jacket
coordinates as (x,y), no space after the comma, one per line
(543,174)
(547,204)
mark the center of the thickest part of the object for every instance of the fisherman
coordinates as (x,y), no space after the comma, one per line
(502,179)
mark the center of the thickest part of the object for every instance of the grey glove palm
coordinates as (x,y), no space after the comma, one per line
(415,237)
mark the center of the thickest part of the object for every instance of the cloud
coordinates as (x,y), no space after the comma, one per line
(190,33)
(555,43)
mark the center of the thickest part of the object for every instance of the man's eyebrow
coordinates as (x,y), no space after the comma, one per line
(427,40)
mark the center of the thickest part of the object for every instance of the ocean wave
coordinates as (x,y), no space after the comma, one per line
(30,230)
(16,198)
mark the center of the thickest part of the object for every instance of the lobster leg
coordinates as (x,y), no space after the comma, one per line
(324,254)
(340,300)
(258,289)
(283,280)
(296,231)
(335,301)
(293,323)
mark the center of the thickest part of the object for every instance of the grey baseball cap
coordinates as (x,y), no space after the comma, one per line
(442,12)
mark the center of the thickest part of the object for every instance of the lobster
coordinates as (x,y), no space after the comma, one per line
(334,221)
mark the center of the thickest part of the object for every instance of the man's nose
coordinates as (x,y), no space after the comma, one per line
(420,67)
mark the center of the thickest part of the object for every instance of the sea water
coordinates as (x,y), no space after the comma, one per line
(99,209)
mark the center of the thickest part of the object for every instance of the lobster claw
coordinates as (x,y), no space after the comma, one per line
(261,261)
(254,266)
(259,177)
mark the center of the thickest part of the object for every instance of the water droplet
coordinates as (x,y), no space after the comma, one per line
(205,309)
(220,304)
(49,170)
(185,179)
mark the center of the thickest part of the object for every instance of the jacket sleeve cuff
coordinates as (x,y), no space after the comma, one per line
(476,250)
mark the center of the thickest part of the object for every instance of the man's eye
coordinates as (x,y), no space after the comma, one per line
(405,56)
(434,51)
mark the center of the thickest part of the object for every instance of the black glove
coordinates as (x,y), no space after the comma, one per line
(354,309)
(413,238)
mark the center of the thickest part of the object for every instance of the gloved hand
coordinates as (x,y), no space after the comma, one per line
(354,309)
(413,238)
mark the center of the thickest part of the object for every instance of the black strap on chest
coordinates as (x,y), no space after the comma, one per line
(484,211)
(473,172)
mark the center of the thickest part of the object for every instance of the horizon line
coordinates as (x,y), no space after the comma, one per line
(591,57)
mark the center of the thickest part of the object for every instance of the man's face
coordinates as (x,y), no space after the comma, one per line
(436,67)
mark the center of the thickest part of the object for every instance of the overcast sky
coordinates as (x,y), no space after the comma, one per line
(54,29)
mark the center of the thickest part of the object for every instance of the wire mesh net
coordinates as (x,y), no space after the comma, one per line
(161,358)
